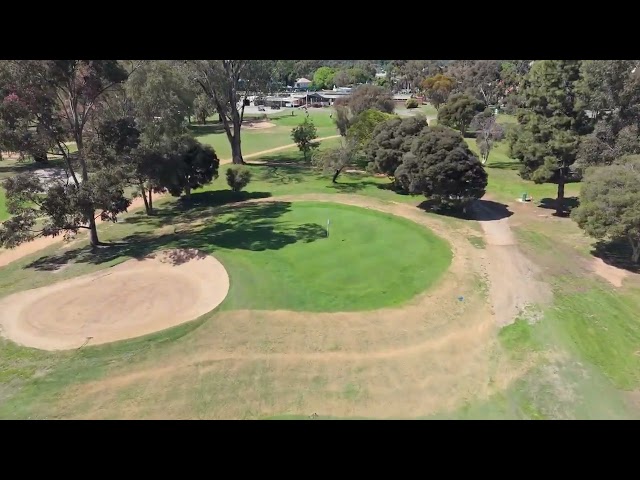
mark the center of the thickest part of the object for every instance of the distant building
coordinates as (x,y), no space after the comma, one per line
(302,83)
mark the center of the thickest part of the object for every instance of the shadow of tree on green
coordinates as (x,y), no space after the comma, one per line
(200,205)
(254,227)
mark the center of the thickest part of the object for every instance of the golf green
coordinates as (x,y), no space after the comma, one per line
(279,256)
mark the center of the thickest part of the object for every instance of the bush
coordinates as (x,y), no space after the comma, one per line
(238,178)
(411,103)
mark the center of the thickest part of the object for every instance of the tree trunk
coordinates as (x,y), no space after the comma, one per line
(189,118)
(635,247)
(335,175)
(151,200)
(91,211)
(560,198)
(236,149)
(187,192)
(93,233)
(144,197)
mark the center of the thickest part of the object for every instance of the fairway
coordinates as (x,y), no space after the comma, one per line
(3,209)
(259,139)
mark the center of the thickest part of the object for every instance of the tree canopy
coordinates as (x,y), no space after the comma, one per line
(610,203)
(304,135)
(391,140)
(459,111)
(46,104)
(363,98)
(437,89)
(553,117)
(323,77)
(611,92)
(441,167)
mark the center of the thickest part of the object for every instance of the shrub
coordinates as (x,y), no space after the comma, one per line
(411,103)
(238,178)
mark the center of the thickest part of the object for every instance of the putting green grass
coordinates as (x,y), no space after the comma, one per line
(279,257)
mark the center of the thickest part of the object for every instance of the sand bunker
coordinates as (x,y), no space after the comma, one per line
(257,125)
(134,298)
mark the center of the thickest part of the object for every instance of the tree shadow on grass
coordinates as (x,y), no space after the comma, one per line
(199,130)
(479,210)
(511,165)
(253,227)
(281,159)
(283,174)
(12,167)
(200,205)
(568,204)
(358,185)
(617,254)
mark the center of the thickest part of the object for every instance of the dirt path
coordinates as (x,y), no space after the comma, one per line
(429,355)
(515,281)
(11,255)
(614,275)
(276,149)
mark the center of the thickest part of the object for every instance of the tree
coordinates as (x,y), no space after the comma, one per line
(411,103)
(228,83)
(202,108)
(546,139)
(337,159)
(488,131)
(363,125)
(610,203)
(342,78)
(611,90)
(477,78)
(512,74)
(459,111)
(409,74)
(238,178)
(48,103)
(190,166)
(161,100)
(365,97)
(437,89)
(362,75)
(304,135)
(391,140)
(441,166)
(323,77)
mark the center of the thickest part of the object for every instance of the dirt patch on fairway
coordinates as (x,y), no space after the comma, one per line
(257,125)
(431,355)
(134,298)
(611,274)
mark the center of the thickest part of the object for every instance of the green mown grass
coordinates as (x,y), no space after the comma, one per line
(506,184)
(3,206)
(348,270)
(254,141)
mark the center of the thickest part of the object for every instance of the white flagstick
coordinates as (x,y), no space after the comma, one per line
(328,222)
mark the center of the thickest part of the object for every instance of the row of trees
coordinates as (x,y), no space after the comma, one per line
(433,161)
(127,120)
